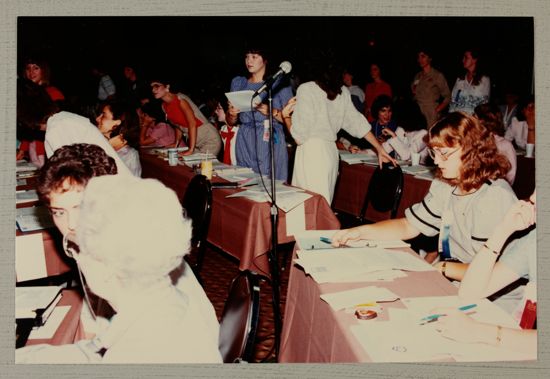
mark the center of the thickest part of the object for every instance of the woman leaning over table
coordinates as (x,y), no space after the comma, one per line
(252,145)
(322,108)
(181,112)
(466,200)
(484,276)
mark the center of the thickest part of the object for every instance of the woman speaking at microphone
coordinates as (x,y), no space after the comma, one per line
(252,146)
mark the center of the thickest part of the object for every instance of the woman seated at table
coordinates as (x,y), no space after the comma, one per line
(120,125)
(484,277)
(202,137)
(466,200)
(489,115)
(394,139)
(154,131)
(522,127)
(36,112)
(120,256)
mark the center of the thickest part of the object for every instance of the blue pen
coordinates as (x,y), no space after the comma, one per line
(325,240)
(436,316)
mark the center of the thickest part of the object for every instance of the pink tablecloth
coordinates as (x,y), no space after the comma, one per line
(239,226)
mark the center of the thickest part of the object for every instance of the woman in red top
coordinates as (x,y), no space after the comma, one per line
(38,72)
(374,89)
(184,114)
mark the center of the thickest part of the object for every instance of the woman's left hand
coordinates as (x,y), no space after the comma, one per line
(262,108)
(383,156)
(388,132)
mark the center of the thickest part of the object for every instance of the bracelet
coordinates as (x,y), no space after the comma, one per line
(499,334)
(497,253)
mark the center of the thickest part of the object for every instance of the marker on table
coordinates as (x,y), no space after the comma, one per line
(434,317)
(326,240)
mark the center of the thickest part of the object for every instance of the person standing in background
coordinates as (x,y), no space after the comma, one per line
(430,88)
(473,88)
(374,89)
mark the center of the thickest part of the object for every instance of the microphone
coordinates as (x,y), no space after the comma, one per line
(284,68)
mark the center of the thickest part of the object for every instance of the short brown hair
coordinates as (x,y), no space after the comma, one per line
(481,160)
(77,163)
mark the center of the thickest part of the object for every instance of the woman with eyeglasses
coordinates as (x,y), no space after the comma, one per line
(466,200)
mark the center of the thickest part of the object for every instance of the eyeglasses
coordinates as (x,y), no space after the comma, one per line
(444,156)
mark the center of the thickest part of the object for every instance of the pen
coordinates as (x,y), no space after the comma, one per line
(436,316)
(326,240)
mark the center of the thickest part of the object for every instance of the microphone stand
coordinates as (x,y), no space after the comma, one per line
(274,216)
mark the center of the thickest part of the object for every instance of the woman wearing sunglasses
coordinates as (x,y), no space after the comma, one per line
(466,200)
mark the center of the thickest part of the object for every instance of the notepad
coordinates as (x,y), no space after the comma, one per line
(33,218)
(242,100)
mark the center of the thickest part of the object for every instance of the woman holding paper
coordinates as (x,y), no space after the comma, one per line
(323,107)
(466,200)
(252,144)
(184,114)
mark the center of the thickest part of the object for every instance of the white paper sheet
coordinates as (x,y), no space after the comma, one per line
(296,220)
(50,327)
(29,299)
(351,298)
(30,260)
(241,99)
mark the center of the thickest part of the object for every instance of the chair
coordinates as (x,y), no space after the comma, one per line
(197,203)
(240,317)
(385,190)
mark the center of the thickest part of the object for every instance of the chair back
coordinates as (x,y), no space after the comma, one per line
(197,203)
(240,317)
(385,190)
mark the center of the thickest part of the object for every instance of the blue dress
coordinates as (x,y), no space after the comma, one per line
(251,149)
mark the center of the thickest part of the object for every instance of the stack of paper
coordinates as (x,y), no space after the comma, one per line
(351,158)
(197,157)
(33,218)
(339,264)
(351,298)
(225,169)
(25,196)
(288,197)
(24,169)
(36,302)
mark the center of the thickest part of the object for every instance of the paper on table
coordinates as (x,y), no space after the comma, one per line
(402,340)
(33,218)
(30,299)
(26,196)
(50,327)
(241,99)
(296,220)
(30,260)
(376,276)
(350,298)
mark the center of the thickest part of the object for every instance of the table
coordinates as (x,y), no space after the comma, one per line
(313,332)
(352,185)
(239,226)
(57,263)
(353,181)
(70,330)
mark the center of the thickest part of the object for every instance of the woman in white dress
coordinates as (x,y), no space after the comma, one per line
(322,108)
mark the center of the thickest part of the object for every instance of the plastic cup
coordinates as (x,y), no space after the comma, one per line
(206,169)
(173,157)
(529,150)
(415,159)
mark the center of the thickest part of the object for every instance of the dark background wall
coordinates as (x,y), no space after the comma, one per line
(206,52)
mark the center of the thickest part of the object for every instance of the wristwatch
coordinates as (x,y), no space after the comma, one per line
(443,268)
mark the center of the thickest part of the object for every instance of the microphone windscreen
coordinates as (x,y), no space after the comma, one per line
(285,66)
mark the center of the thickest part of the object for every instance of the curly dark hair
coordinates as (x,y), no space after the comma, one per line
(480,158)
(73,165)
(380,102)
(490,116)
(129,126)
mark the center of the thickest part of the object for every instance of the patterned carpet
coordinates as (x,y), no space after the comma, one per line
(220,268)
